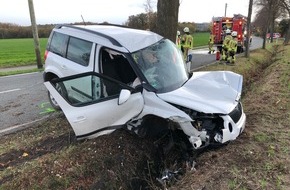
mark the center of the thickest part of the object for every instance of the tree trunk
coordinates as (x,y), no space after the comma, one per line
(247,53)
(264,39)
(272,26)
(287,37)
(167,18)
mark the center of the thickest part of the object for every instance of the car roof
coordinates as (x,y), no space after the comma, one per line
(121,36)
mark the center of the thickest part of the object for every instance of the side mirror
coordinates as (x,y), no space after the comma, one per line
(124,96)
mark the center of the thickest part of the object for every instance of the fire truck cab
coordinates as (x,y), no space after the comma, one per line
(221,24)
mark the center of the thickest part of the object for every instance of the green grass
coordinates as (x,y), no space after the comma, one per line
(200,39)
(19,52)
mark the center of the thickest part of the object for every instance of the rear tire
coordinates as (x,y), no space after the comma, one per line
(62,91)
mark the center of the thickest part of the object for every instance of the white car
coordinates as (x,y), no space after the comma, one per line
(135,79)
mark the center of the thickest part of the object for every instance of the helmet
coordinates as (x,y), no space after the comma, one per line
(186,29)
(234,33)
(178,33)
(228,31)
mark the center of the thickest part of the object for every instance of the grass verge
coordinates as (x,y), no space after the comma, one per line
(16,72)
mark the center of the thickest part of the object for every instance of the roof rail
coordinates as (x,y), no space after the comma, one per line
(118,25)
(112,40)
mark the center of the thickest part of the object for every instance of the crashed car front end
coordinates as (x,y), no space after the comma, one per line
(206,106)
(212,101)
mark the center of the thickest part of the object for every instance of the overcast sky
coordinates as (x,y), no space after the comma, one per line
(113,11)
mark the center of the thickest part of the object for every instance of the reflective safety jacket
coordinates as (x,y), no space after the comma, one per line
(227,40)
(233,45)
(211,39)
(187,40)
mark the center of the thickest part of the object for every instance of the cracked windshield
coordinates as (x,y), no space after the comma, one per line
(162,65)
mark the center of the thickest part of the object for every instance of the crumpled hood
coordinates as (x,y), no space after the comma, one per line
(208,92)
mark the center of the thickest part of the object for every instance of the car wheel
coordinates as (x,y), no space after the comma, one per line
(62,91)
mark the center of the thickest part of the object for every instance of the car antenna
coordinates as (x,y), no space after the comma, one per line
(83,20)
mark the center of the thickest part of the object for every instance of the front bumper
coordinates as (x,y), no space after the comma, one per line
(231,129)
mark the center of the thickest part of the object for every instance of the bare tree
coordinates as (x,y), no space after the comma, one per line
(149,4)
(167,18)
(262,24)
(285,4)
(270,9)
(247,53)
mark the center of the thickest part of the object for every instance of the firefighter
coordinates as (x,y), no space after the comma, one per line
(233,46)
(210,44)
(186,42)
(225,45)
(178,40)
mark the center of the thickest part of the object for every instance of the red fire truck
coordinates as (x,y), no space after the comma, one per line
(221,24)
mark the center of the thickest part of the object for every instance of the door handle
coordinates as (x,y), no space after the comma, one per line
(80,119)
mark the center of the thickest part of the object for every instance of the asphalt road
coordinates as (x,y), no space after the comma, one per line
(23,98)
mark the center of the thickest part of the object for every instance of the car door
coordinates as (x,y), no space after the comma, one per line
(93,111)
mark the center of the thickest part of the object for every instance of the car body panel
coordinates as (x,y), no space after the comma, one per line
(88,121)
(141,39)
(208,92)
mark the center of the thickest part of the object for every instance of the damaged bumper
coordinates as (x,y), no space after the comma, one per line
(231,129)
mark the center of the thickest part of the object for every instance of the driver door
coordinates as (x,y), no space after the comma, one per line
(89,108)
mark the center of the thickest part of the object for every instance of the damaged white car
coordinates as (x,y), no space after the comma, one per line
(138,80)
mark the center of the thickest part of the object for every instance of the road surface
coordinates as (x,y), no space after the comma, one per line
(23,98)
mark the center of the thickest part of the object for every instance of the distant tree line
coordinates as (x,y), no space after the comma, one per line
(8,31)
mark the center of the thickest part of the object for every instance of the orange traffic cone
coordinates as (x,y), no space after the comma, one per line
(217,55)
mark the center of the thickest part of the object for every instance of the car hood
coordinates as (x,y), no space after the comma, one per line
(208,92)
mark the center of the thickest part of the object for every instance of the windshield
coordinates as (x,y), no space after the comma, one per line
(162,65)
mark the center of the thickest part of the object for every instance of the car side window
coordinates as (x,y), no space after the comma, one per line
(79,51)
(87,89)
(58,44)
(115,65)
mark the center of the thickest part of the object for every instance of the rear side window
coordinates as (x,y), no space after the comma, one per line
(79,51)
(58,43)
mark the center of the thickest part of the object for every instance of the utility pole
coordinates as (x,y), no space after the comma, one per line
(226,6)
(35,34)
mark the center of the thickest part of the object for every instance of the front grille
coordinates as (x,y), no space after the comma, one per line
(236,113)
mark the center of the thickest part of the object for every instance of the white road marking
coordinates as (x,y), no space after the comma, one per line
(13,90)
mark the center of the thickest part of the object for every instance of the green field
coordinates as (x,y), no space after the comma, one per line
(200,39)
(19,52)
